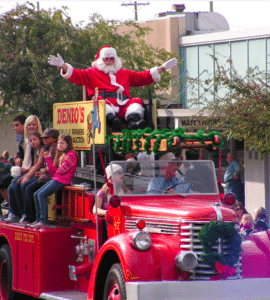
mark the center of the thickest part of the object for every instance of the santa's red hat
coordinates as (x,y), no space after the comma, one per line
(106,51)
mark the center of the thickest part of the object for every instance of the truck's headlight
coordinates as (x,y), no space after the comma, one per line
(186,261)
(142,240)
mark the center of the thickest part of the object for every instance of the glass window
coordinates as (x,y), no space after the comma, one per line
(206,71)
(239,57)
(257,54)
(222,54)
(192,72)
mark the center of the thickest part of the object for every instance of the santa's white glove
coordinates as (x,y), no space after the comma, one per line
(170,64)
(56,61)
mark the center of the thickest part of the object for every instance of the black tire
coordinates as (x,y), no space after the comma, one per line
(6,292)
(115,288)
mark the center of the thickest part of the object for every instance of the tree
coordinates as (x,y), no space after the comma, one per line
(28,37)
(243,109)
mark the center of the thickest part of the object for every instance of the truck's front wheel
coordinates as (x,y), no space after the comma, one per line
(115,284)
(6,292)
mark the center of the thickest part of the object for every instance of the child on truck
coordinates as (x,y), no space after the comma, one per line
(62,169)
(41,176)
(103,194)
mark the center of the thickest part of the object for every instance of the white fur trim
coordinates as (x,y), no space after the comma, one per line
(100,65)
(69,71)
(112,108)
(120,89)
(155,75)
(109,110)
(113,82)
(107,52)
(120,102)
(135,108)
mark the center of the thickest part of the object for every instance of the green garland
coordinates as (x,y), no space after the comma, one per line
(209,235)
(125,139)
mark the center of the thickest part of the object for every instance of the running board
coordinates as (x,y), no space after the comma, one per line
(64,295)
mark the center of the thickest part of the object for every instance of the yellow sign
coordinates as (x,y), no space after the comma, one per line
(75,119)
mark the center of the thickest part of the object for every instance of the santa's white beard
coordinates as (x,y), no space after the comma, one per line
(99,64)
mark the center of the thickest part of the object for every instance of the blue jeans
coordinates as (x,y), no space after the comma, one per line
(41,202)
(28,190)
(16,206)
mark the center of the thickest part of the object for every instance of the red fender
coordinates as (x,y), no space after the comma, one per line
(155,264)
(256,256)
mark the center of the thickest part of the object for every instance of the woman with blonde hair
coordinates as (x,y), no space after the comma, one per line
(32,123)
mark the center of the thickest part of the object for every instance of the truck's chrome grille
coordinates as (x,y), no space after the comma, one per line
(154,226)
(189,241)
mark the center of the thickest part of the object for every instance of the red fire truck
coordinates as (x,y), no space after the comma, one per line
(151,244)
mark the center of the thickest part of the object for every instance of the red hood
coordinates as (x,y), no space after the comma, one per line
(191,207)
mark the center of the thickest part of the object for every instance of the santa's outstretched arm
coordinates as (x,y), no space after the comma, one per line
(57,61)
(168,65)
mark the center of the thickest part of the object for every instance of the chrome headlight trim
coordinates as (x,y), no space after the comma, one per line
(186,260)
(142,240)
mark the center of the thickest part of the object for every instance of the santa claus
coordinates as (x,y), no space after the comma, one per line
(107,74)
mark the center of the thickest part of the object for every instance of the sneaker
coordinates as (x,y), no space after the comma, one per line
(12,218)
(5,216)
(40,225)
(23,220)
(5,204)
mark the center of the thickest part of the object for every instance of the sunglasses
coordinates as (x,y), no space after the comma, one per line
(108,58)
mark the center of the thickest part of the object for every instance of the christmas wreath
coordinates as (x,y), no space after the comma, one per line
(209,235)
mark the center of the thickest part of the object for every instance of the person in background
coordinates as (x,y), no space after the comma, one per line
(239,209)
(108,75)
(246,226)
(260,220)
(49,138)
(232,173)
(146,165)
(62,169)
(5,179)
(5,156)
(18,125)
(32,123)
(103,195)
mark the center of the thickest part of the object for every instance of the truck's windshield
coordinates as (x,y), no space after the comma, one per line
(166,177)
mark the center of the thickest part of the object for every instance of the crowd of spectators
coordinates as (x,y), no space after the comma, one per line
(247,224)
(45,163)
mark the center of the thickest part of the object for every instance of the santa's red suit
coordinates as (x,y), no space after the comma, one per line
(115,81)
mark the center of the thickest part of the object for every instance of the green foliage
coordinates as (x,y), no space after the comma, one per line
(209,235)
(123,141)
(27,37)
(244,108)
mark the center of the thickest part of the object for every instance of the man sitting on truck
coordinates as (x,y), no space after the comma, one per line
(167,178)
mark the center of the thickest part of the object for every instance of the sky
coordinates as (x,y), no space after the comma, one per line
(239,14)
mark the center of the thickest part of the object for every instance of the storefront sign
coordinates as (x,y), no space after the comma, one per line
(197,122)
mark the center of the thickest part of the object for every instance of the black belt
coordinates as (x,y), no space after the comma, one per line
(114,95)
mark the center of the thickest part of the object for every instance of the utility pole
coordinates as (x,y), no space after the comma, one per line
(135,7)
(211,6)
